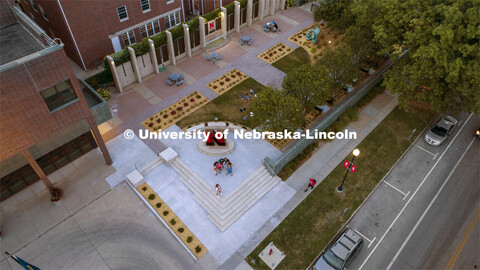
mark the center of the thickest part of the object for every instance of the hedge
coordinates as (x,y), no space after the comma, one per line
(142,47)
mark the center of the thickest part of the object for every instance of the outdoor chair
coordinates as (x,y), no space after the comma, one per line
(242,42)
(213,60)
(179,83)
(208,57)
(169,82)
(250,42)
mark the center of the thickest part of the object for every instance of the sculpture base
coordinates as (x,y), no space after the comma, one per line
(216,150)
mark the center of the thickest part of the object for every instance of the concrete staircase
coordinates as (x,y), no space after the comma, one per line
(224,211)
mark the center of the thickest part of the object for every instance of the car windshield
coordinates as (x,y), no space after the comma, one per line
(439,131)
(333,260)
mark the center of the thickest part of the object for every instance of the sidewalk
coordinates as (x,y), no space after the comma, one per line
(322,162)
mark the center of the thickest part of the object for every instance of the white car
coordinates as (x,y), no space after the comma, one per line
(440,131)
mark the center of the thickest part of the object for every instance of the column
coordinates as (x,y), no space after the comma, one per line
(186,37)
(170,48)
(249,12)
(237,16)
(99,139)
(153,55)
(28,156)
(113,69)
(261,7)
(133,59)
(282,4)
(272,7)
(224,21)
(201,27)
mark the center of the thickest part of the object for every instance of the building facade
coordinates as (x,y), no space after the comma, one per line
(48,116)
(201,7)
(92,29)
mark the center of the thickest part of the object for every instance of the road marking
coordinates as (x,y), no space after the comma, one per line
(413,195)
(464,239)
(429,205)
(403,193)
(371,241)
(434,155)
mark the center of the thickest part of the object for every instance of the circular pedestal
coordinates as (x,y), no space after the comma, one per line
(216,150)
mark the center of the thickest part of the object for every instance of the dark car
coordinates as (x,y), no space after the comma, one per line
(340,255)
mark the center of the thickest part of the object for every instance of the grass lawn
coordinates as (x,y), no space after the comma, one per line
(294,59)
(225,107)
(305,232)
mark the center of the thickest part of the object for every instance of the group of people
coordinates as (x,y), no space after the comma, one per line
(223,162)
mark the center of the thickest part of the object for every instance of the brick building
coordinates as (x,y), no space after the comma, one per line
(48,117)
(91,29)
(201,7)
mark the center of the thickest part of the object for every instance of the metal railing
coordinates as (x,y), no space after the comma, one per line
(30,25)
(277,165)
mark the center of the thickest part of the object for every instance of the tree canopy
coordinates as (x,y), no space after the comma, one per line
(340,65)
(336,12)
(310,84)
(442,65)
(275,110)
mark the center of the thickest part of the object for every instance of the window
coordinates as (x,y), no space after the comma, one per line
(43,12)
(217,4)
(169,2)
(128,38)
(58,95)
(122,13)
(33,5)
(145,5)
(150,29)
(172,19)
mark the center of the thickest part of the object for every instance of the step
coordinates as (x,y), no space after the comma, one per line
(149,167)
(223,208)
(251,198)
(224,224)
(194,185)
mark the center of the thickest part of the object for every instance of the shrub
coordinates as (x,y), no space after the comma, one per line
(313,50)
(151,197)
(198,249)
(180,230)
(144,188)
(192,100)
(173,112)
(165,213)
(189,239)
(104,93)
(185,104)
(165,115)
(158,205)
(173,221)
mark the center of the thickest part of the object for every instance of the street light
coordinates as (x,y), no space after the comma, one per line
(356,152)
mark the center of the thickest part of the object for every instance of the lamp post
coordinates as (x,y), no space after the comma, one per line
(356,152)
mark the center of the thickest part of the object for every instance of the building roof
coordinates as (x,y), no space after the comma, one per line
(17,42)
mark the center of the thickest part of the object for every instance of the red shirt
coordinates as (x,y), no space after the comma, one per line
(312,182)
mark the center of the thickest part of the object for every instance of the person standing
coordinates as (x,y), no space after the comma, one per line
(311,184)
(215,167)
(218,188)
(229,169)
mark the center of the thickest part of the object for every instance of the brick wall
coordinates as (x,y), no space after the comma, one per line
(25,119)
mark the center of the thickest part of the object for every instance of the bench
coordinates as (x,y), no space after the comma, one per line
(169,82)
(179,83)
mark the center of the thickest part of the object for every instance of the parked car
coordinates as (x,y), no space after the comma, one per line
(340,255)
(440,131)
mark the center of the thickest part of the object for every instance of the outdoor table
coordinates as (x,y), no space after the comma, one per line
(174,77)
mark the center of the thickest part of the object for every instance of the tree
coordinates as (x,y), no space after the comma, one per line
(336,13)
(310,84)
(442,65)
(275,110)
(340,65)
(361,41)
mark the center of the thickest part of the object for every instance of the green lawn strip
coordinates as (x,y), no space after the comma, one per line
(305,231)
(292,60)
(225,107)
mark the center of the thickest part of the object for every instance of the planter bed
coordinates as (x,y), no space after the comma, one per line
(275,53)
(175,112)
(316,50)
(177,226)
(227,81)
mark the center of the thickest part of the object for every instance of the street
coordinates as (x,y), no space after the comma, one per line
(423,215)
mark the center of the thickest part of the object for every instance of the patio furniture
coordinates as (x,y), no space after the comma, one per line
(175,77)
(179,83)
(169,82)
(219,57)
(162,69)
(250,42)
(213,60)
(242,42)
(245,39)
(208,57)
